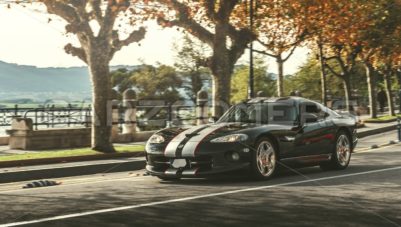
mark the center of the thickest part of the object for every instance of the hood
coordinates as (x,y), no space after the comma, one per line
(207,132)
(186,141)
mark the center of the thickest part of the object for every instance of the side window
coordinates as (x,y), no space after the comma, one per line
(313,108)
(324,112)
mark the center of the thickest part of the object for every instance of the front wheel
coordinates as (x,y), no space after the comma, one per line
(264,159)
(341,156)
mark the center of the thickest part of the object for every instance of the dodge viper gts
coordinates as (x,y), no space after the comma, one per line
(260,134)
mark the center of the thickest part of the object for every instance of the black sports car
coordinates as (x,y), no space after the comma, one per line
(262,134)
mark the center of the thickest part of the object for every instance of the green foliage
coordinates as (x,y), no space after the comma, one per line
(189,60)
(150,82)
(262,81)
(307,81)
(158,83)
(121,79)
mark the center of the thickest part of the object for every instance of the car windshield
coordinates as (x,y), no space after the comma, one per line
(262,113)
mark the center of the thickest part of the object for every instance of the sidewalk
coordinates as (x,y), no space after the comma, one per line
(76,168)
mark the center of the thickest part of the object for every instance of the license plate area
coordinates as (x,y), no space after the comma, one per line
(178,163)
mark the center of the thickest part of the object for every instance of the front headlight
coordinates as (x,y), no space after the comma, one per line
(230,138)
(156,139)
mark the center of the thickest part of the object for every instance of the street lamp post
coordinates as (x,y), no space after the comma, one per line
(251,91)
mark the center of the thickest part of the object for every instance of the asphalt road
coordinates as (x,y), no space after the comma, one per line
(368,193)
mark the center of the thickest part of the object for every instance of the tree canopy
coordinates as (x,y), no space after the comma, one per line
(263,81)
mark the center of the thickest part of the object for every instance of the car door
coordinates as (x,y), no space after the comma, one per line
(313,138)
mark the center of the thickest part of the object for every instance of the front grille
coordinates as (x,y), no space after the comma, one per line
(201,162)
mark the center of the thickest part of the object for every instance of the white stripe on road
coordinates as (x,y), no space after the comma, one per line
(61,217)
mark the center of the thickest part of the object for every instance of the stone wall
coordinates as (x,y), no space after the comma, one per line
(22,136)
(4,140)
(50,139)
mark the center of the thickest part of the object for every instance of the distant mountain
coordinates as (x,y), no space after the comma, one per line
(23,78)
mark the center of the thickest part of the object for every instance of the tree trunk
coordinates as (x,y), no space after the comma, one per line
(101,109)
(222,68)
(280,76)
(347,92)
(322,75)
(372,93)
(196,82)
(387,84)
(221,93)
(398,75)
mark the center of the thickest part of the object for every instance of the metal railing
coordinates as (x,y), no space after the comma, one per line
(53,117)
(7,114)
(149,117)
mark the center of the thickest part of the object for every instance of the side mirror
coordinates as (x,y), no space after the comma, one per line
(309,118)
(213,119)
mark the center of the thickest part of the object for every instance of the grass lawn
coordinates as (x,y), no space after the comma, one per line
(68,153)
(383,118)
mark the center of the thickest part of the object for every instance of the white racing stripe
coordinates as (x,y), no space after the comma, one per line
(190,147)
(61,217)
(172,146)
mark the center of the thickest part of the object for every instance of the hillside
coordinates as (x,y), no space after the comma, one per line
(22,78)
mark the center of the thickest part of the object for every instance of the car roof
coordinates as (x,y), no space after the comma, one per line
(277,99)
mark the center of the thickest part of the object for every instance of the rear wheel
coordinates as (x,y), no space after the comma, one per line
(264,159)
(341,155)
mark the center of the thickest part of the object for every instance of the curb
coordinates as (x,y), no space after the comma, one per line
(376,131)
(71,169)
(375,146)
(44,161)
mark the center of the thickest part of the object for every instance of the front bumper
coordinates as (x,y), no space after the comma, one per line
(210,159)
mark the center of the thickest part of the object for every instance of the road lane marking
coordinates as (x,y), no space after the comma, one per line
(102,211)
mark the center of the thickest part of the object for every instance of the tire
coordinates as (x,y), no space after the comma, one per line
(165,178)
(341,154)
(264,159)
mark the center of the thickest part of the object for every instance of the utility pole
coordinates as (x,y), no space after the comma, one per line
(322,74)
(251,92)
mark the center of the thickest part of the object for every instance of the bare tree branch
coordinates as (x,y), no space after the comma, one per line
(226,7)
(76,21)
(210,6)
(327,66)
(240,40)
(266,53)
(135,36)
(76,51)
(290,54)
(63,10)
(96,10)
(192,27)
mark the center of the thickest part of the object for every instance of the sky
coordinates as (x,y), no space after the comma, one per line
(27,38)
